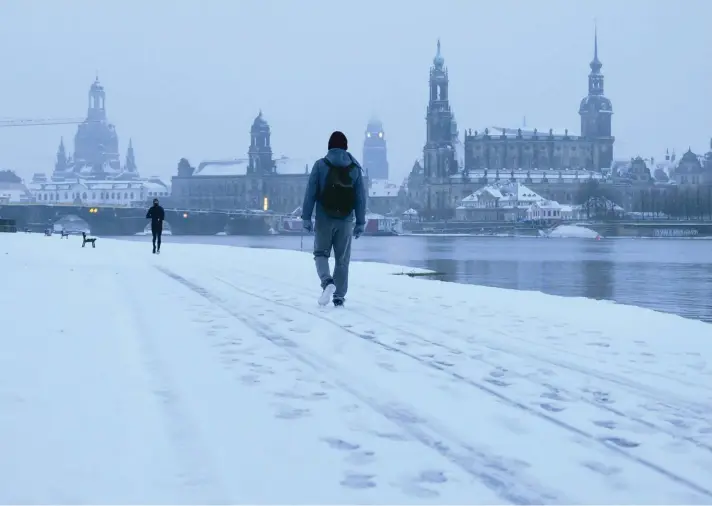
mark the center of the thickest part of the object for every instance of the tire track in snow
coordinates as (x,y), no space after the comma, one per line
(490,391)
(699,410)
(488,469)
(194,466)
(619,380)
(548,386)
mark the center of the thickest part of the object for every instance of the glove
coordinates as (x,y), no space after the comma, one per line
(307,224)
(358,230)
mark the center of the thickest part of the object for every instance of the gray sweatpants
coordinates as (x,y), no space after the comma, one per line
(333,233)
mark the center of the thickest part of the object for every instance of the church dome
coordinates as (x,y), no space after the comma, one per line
(259,124)
(374,125)
(96,86)
(689,157)
(597,103)
(689,164)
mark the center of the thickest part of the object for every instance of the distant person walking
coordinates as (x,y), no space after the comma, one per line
(156,214)
(336,188)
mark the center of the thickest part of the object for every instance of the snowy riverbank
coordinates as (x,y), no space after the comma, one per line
(209,374)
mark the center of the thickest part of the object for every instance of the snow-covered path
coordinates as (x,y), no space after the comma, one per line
(209,375)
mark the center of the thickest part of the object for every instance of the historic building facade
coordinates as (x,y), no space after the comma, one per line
(258,182)
(375,153)
(96,147)
(529,149)
(551,163)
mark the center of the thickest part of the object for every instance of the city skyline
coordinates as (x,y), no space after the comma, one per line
(181,117)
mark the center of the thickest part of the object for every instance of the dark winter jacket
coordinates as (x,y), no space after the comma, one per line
(156,214)
(317,182)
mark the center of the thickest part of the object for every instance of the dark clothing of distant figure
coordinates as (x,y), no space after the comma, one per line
(336,189)
(156,215)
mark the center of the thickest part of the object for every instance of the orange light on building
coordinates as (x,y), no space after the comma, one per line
(265,204)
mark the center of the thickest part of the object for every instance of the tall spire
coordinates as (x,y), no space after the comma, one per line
(61,163)
(595,77)
(130,165)
(438,61)
(595,63)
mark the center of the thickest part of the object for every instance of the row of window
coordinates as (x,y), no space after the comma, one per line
(235,190)
(84,196)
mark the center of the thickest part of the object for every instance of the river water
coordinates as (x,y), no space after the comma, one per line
(671,275)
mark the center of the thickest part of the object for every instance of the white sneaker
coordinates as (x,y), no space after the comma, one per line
(327,294)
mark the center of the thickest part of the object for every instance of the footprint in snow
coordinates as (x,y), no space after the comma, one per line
(340,444)
(497,382)
(494,378)
(415,487)
(677,422)
(602,397)
(621,442)
(361,458)
(430,476)
(553,395)
(600,468)
(606,424)
(551,408)
(358,481)
(249,379)
(391,436)
(388,367)
(288,413)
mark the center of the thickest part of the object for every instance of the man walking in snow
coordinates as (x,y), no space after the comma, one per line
(337,190)
(156,214)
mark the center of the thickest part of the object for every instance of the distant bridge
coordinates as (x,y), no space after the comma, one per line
(116,221)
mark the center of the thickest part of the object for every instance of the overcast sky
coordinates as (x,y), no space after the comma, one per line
(185,78)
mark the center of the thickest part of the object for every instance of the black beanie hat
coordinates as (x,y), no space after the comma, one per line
(338,140)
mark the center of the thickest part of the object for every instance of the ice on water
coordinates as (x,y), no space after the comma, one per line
(210,375)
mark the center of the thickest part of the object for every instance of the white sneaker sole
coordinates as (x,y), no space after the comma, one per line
(327,294)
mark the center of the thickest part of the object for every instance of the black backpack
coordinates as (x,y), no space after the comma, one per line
(339,195)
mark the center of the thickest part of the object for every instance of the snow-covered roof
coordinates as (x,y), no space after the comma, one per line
(155,187)
(238,167)
(549,204)
(504,193)
(233,167)
(14,192)
(382,188)
(286,165)
(100,185)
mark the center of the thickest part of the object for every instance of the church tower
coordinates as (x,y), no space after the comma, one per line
(439,158)
(96,144)
(596,112)
(97,99)
(61,164)
(260,152)
(130,165)
(375,159)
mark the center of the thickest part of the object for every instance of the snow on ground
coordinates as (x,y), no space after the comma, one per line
(209,374)
(573,231)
